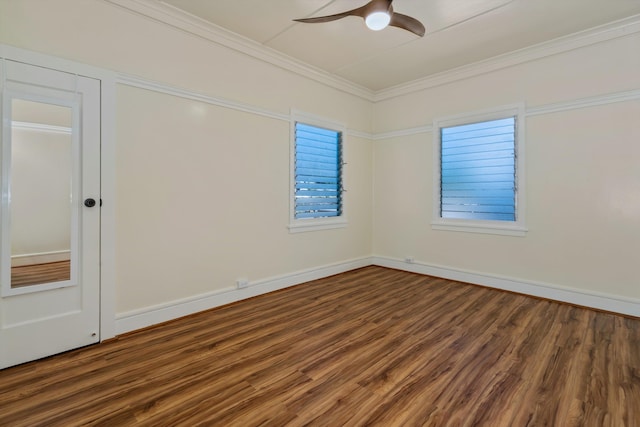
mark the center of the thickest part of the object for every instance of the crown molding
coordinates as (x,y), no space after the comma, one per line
(180,20)
(190,24)
(613,30)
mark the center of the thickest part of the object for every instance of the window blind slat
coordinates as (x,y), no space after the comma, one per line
(478,133)
(315,186)
(476,178)
(478,201)
(502,211)
(478,125)
(307,164)
(306,181)
(317,151)
(318,193)
(315,143)
(494,154)
(479,171)
(310,157)
(480,193)
(478,163)
(480,186)
(318,214)
(319,176)
(479,216)
(479,148)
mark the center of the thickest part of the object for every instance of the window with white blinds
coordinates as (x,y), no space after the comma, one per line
(479,173)
(318,177)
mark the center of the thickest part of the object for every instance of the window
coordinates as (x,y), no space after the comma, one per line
(480,172)
(316,176)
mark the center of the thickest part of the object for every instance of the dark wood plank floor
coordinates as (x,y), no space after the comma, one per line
(26,275)
(374,347)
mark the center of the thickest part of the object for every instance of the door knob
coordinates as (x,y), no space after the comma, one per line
(89,203)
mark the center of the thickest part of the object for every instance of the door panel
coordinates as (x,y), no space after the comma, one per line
(49,239)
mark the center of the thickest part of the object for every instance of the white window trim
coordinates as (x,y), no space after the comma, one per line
(509,228)
(313,224)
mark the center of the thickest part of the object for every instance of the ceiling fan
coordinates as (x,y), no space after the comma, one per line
(377,14)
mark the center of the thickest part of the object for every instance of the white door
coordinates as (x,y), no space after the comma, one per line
(49,212)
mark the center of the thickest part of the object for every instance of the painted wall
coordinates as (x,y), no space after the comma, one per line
(40,195)
(202,190)
(582,174)
(40,182)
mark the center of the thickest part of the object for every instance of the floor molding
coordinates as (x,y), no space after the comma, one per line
(40,258)
(148,316)
(596,300)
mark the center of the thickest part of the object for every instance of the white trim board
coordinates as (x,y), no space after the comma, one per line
(40,258)
(159,87)
(590,299)
(166,89)
(142,83)
(148,316)
(591,101)
(557,107)
(40,127)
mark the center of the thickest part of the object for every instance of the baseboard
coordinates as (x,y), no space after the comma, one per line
(40,258)
(148,316)
(596,300)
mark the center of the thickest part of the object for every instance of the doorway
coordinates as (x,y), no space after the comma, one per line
(49,212)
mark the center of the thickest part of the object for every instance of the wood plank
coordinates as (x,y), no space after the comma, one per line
(373,346)
(34,274)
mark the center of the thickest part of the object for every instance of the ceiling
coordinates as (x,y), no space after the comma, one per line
(458,32)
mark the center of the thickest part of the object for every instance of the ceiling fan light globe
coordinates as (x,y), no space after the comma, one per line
(377,21)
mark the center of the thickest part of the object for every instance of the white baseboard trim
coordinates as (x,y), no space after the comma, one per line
(596,300)
(40,258)
(148,316)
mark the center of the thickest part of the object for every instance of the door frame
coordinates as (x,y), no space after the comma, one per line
(107,169)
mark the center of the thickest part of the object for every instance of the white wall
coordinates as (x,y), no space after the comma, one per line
(202,186)
(40,195)
(582,174)
(40,182)
(202,193)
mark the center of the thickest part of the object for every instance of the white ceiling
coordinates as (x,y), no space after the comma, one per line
(459,32)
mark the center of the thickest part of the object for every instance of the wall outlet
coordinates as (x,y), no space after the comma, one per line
(409,260)
(242,283)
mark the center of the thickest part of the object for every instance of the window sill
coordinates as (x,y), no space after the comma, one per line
(301,226)
(482,227)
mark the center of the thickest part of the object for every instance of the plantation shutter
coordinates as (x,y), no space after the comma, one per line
(318,191)
(478,171)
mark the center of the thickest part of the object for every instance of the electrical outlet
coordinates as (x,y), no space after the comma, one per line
(409,260)
(242,283)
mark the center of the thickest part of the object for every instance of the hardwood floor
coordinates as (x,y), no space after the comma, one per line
(374,347)
(40,273)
